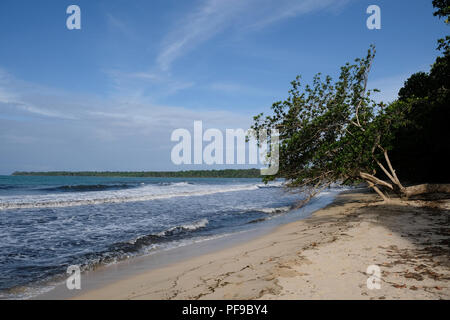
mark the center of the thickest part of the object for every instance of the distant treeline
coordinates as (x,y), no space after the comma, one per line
(226,173)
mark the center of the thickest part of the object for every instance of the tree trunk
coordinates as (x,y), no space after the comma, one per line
(377,190)
(396,185)
(426,188)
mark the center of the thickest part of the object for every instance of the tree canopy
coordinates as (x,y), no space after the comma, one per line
(421,146)
(329,130)
(332,130)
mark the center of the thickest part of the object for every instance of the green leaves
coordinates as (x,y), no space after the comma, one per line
(327,128)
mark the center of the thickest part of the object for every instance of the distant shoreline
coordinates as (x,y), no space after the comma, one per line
(225,173)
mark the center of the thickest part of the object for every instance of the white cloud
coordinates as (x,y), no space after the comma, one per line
(12,99)
(198,26)
(119,26)
(134,84)
(44,112)
(145,75)
(285,9)
(214,16)
(118,115)
(239,89)
(110,133)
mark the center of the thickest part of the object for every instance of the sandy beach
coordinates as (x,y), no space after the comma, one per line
(322,257)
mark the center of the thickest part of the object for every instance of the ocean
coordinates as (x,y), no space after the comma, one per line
(50,223)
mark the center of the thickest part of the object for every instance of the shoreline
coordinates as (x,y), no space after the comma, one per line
(104,274)
(324,256)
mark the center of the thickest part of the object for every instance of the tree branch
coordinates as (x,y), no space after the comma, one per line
(392,169)
(385,171)
(381,194)
(375,180)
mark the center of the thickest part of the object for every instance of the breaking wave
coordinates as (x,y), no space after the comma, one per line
(84,188)
(170,234)
(276,210)
(144,193)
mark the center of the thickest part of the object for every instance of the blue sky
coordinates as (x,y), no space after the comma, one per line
(108,96)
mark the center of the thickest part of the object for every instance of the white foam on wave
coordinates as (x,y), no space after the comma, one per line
(191,227)
(144,193)
(273,184)
(275,210)
(268,210)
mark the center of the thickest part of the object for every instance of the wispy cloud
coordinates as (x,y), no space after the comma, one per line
(121,26)
(140,83)
(118,115)
(238,89)
(206,20)
(214,16)
(198,26)
(13,98)
(98,132)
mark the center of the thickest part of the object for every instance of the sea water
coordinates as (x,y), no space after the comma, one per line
(50,223)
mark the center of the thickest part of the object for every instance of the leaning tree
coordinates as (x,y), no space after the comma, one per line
(333,131)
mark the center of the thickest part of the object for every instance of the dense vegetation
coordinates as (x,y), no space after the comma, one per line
(331,130)
(226,173)
(422,146)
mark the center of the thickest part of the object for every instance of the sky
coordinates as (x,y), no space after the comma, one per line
(108,96)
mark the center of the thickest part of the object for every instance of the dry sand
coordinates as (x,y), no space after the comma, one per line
(323,257)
